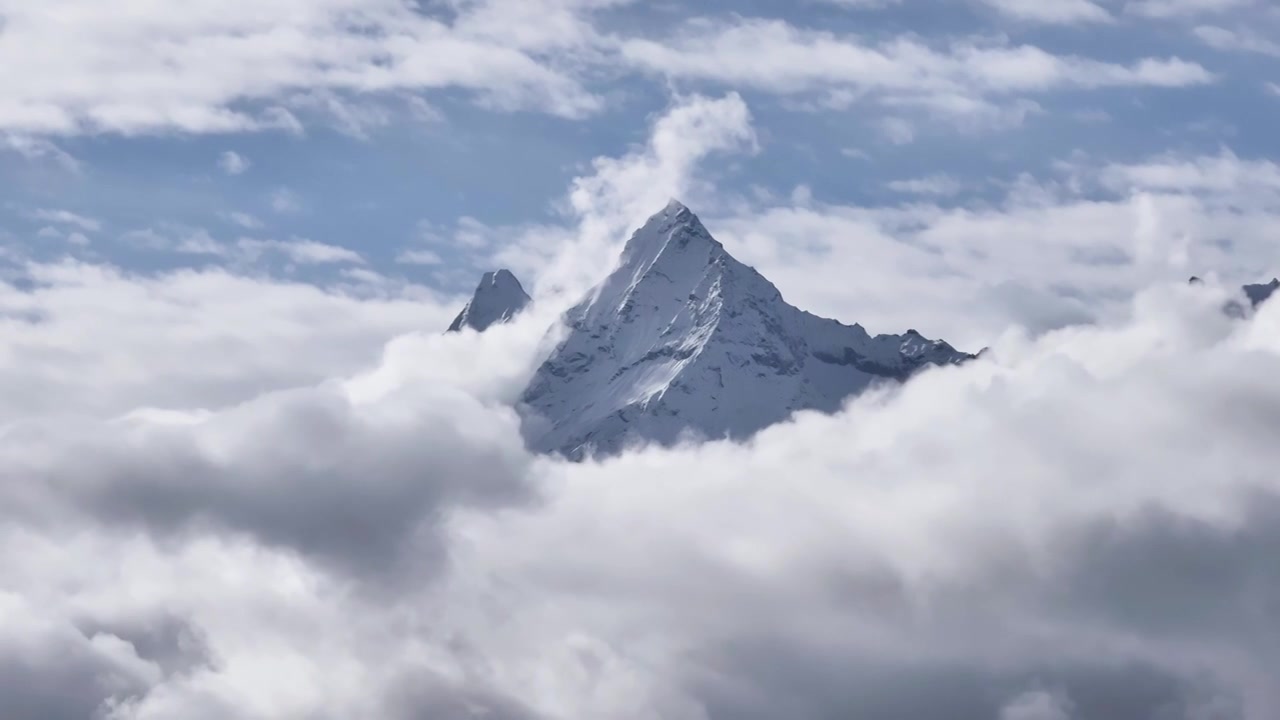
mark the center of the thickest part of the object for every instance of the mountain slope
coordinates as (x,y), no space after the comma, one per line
(498,298)
(682,337)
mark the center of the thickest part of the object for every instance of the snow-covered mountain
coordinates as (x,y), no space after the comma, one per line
(682,337)
(498,298)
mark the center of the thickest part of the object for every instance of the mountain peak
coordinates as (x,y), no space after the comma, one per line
(683,338)
(673,222)
(498,298)
(666,255)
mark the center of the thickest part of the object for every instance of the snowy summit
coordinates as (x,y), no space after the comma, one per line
(682,338)
(498,298)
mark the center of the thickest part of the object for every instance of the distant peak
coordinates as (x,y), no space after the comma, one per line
(497,299)
(675,207)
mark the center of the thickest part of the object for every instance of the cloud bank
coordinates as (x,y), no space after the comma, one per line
(216,68)
(1081,525)
(237,496)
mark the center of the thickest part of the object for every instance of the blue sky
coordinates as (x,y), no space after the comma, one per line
(848,99)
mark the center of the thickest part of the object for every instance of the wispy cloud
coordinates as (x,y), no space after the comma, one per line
(66,217)
(936,185)
(233,163)
(1238,40)
(419,257)
(1057,12)
(302,251)
(1182,8)
(955,79)
(285,201)
(244,220)
(37,148)
(232,68)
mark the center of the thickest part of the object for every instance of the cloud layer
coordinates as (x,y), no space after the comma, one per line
(1080,525)
(214,67)
(229,495)
(217,67)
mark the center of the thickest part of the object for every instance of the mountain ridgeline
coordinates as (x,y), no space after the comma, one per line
(498,298)
(683,341)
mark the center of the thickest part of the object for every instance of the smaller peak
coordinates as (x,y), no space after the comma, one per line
(1195,280)
(498,298)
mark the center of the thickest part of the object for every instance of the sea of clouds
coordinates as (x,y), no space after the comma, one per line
(235,496)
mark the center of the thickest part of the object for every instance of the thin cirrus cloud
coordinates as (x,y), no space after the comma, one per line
(1056,12)
(936,185)
(306,252)
(776,56)
(1175,9)
(284,201)
(243,219)
(230,68)
(233,163)
(242,251)
(66,217)
(1237,40)
(288,58)
(803,59)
